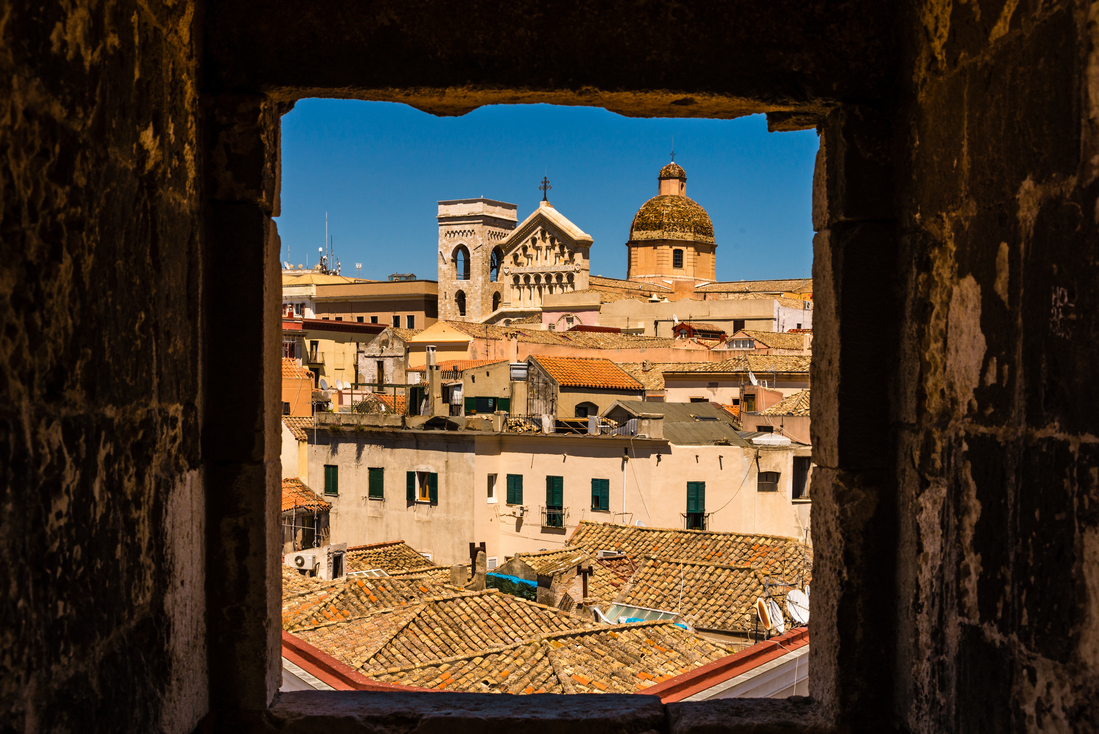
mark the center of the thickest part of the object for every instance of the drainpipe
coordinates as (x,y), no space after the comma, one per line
(625,461)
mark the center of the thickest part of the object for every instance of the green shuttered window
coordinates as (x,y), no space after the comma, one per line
(515,489)
(376,486)
(555,502)
(601,494)
(331,479)
(696,496)
(422,487)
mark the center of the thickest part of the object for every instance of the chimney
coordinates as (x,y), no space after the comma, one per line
(477,583)
(514,348)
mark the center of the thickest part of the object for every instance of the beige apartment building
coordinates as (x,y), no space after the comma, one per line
(404,304)
(521,492)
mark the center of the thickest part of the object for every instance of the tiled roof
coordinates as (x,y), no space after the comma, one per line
(653,377)
(292,369)
(775,339)
(767,553)
(452,365)
(707,595)
(589,373)
(297,425)
(598,282)
(758,363)
(296,495)
(435,574)
(793,285)
(607,659)
(554,561)
(604,340)
(394,403)
(796,404)
(403,334)
(584,339)
(356,597)
(390,557)
(295,582)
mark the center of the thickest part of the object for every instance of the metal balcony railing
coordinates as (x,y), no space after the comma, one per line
(696,520)
(554,517)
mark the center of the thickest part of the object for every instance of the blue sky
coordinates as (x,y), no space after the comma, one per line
(379,168)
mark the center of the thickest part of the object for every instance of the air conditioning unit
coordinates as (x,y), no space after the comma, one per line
(522,510)
(303,561)
(491,562)
(610,554)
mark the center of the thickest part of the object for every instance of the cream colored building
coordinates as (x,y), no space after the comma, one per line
(518,492)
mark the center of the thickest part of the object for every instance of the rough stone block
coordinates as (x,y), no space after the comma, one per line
(857,164)
(244,164)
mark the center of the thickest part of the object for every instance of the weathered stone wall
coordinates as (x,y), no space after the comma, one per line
(102,613)
(995,397)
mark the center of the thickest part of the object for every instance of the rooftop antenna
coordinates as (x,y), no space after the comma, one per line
(358,268)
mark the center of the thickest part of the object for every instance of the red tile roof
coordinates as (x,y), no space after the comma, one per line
(292,369)
(297,425)
(591,373)
(457,365)
(297,495)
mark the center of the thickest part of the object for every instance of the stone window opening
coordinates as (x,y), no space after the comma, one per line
(677,258)
(461,263)
(495,259)
(460,302)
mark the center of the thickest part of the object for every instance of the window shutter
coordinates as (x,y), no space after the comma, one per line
(471,406)
(601,494)
(503,404)
(515,489)
(331,479)
(410,486)
(696,496)
(554,492)
(433,487)
(377,484)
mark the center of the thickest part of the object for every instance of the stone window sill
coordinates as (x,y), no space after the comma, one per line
(488,713)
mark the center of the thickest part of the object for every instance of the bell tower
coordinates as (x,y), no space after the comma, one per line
(470,232)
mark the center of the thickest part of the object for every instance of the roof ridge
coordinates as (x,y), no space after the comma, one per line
(686,562)
(384,642)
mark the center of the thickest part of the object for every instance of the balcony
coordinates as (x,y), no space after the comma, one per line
(696,520)
(554,517)
(315,356)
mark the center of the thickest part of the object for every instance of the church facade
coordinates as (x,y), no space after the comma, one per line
(491,269)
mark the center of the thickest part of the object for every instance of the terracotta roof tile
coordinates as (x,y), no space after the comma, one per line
(296,495)
(709,596)
(796,404)
(390,557)
(297,425)
(793,285)
(759,363)
(355,597)
(590,373)
(292,369)
(775,339)
(457,365)
(763,552)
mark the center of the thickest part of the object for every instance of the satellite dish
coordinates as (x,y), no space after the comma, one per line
(776,616)
(639,524)
(797,604)
(763,613)
(339,384)
(675,321)
(324,385)
(807,589)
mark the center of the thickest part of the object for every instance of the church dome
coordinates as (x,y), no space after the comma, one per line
(673,170)
(672,217)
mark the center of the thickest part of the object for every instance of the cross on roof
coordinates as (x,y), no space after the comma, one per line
(545,187)
(673,156)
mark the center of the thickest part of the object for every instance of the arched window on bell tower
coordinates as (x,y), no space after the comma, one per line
(496,301)
(460,302)
(494,261)
(461,262)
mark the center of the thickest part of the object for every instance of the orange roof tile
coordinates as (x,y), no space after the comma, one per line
(796,404)
(591,373)
(297,425)
(296,495)
(457,365)
(292,369)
